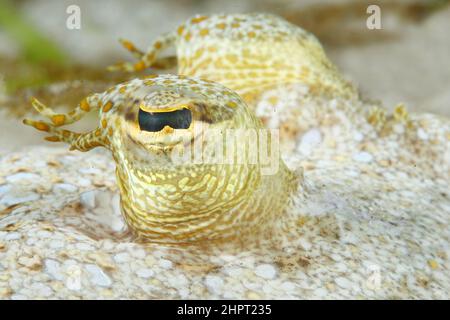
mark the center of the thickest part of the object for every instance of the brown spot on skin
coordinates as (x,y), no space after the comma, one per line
(198,19)
(128,45)
(66,133)
(41,126)
(149,83)
(187,37)
(251,34)
(59,119)
(107,106)
(291,263)
(180,30)
(110,132)
(13,226)
(158,45)
(123,90)
(150,57)
(221,26)
(167,130)
(198,268)
(232,58)
(273,100)
(231,104)
(278,39)
(84,105)
(235,25)
(98,132)
(139,66)
(151,76)
(198,53)
(104,123)
(130,115)
(52,139)
(204,32)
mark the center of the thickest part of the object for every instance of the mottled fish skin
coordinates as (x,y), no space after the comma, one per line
(248,53)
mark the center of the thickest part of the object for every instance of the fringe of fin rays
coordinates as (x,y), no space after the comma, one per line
(77,141)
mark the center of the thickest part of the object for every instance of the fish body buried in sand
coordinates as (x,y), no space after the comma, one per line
(371,219)
(146,123)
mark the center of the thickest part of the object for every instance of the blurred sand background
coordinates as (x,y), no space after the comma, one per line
(408,60)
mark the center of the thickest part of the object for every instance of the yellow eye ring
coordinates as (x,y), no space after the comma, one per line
(145,108)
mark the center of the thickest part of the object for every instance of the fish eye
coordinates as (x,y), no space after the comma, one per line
(156,121)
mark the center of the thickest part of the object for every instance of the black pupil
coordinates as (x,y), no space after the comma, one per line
(156,121)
